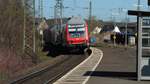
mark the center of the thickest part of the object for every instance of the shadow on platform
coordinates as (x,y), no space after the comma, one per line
(113,74)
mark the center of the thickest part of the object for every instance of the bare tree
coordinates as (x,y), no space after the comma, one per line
(11,30)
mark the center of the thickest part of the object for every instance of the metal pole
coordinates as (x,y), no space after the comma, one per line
(39,8)
(114,23)
(34,44)
(24,25)
(58,11)
(90,14)
(138,47)
(42,9)
(126,25)
(138,7)
(55,16)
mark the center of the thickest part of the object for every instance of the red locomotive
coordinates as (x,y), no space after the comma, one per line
(73,34)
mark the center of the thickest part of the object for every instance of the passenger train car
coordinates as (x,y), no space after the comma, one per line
(72,34)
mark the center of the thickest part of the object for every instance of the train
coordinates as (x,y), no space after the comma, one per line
(72,34)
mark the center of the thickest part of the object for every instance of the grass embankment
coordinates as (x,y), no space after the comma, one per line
(43,56)
(3,76)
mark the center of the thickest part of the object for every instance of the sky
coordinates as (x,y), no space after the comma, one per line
(102,9)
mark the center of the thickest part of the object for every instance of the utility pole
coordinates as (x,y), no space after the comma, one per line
(58,11)
(126,30)
(24,25)
(90,14)
(28,32)
(138,5)
(114,25)
(29,39)
(41,18)
(42,9)
(39,8)
(34,44)
(126,25)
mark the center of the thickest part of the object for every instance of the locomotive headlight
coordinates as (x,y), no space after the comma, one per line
(81,29)
(71,30)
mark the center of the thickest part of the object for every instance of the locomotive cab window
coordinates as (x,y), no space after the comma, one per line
(76,31)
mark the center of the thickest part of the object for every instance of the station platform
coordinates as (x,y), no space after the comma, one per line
(107,65)
(118,66)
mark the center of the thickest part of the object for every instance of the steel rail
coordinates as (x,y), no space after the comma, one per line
(37,73)
(87,52)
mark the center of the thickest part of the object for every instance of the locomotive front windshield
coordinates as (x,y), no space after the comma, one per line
(76,31)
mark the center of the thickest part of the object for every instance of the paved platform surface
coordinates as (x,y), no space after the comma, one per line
(77,75)
(118,66)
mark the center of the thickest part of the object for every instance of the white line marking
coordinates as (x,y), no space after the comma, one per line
(82,65)
(93,69)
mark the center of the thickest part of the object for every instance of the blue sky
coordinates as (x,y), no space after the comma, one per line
(102,9)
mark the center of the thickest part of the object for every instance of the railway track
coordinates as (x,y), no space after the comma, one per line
(50,74)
